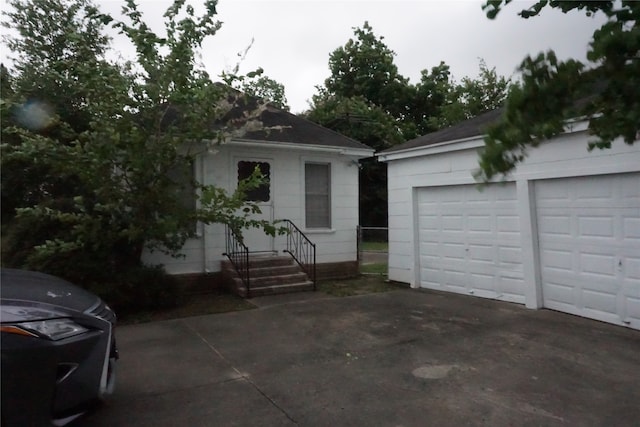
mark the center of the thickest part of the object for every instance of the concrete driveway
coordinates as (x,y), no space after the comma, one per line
(402,358)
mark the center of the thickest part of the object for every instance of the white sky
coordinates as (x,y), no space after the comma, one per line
(293,38)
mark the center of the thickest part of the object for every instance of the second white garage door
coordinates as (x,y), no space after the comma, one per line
(470,241)
(589,238)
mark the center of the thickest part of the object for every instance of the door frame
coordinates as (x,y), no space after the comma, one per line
(267,208)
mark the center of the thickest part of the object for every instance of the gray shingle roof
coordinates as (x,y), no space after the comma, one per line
(287,127)
(473,127)
(282,126)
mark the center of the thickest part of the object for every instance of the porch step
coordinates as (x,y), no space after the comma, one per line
(269,275)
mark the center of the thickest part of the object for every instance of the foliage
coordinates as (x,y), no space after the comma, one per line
(256,84)
(472,97)
(98,153)
(605,90)
(265,88)
(364,68)
(366,98)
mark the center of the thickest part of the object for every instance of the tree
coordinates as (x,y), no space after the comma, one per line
(364,67)
(357,118)
(471,97)
(122,134)
(604,90)
(266,88)
(366,98)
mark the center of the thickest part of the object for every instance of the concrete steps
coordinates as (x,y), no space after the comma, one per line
(269,275)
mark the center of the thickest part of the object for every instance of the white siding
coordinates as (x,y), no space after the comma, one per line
(334,245)
(411,177)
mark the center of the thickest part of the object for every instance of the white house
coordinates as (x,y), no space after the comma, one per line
(313,181)
(562,231)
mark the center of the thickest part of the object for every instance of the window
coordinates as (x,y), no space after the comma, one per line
(262,193)
(183,175)
(317,189)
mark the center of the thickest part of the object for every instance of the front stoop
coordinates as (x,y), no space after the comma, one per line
(269,275)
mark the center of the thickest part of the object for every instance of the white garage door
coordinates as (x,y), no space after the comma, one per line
(589,239)
(470,241)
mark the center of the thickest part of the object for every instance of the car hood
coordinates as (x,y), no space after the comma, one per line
(33,287)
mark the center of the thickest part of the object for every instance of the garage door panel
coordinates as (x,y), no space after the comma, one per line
(601,301)
(479,223)
(454,251)
(598,265)
(510,255)
(508,224)
(478,237)
(632,270)
(631,228)
(557,259)
(481,253)
(588,238)
(453,223)
(596,226)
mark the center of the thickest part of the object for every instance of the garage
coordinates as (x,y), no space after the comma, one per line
(589,243)
(469,241)
(561,231)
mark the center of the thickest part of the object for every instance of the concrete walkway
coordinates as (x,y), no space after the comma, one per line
(402,358)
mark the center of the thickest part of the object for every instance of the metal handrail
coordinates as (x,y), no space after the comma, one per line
(301,249)
(238,254)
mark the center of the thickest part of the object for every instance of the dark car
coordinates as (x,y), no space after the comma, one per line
(58,349)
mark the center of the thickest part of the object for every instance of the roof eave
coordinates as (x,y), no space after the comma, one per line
(441,147)
(477,141)
(347,151)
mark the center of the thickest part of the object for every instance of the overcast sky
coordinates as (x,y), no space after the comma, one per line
(293,38)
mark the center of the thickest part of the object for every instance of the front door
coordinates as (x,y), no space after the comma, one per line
(255,238)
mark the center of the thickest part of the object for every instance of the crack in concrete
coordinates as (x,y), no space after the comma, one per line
(241,375)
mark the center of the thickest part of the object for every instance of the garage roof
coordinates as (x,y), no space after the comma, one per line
(472,127)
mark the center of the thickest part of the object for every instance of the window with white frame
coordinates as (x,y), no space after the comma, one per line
(317,192)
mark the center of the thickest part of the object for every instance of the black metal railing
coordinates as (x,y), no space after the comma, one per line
(238,254)
(301,249)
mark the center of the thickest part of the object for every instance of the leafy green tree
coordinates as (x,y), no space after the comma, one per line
(120,137)
(366,98)
(605,89)
(433,93)
(470,97)
(364,67)
(357,118)
(266,88)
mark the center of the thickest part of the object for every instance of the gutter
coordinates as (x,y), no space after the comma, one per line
(356,152)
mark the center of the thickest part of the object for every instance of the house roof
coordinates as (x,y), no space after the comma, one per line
(281,126)
(475,126)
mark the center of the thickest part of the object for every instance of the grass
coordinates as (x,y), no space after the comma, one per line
(374,246)
(358,286)
(375,268)
(224,302)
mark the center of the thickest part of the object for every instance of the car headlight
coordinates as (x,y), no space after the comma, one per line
(54,329)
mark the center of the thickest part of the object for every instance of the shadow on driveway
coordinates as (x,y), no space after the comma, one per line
(401,358)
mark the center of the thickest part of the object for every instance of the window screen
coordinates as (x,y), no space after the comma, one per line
(317,183)
(262,193)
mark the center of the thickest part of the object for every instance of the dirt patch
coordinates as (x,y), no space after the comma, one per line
(194,305)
